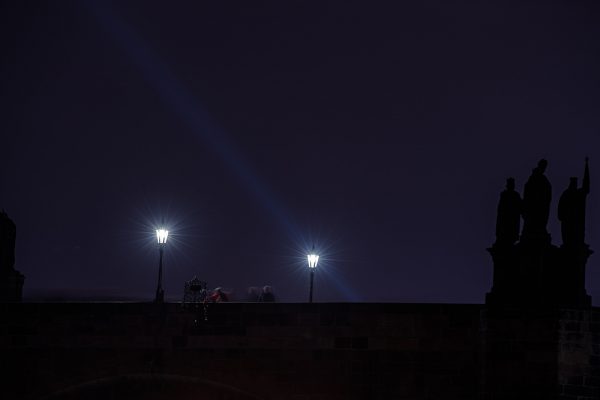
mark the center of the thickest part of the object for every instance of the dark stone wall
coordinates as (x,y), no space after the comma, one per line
(520,358)
(579,355)
(270,351)
(540,353)
(296,351)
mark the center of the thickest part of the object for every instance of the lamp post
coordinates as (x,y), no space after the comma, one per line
(161,236)
(313,259)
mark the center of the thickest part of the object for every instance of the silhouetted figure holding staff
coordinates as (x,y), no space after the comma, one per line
(571,210)
(536,202)
(508,220)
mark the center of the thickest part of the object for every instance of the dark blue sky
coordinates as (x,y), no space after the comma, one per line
(383,134)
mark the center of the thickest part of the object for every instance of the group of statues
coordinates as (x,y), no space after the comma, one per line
(534,208)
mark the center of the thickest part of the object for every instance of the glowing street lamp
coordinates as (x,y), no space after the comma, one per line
(161,236)
(313,259)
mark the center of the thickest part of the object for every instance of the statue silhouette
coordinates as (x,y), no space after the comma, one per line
(508,220)
(8,234)
(535,272)
(536,202)
(571,210)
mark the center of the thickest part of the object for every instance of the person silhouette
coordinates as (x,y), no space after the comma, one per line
(508,220)
(571,210)
(267,295)
(536,202)
(219,296)
(252,294)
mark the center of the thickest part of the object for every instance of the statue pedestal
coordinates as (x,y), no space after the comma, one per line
(535,272)
(11,286)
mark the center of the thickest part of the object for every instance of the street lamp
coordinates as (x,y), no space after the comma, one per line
(313,259)
(161,236)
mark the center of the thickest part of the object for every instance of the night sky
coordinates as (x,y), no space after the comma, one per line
(382,134)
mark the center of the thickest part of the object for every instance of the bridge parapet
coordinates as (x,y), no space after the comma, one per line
(293,351)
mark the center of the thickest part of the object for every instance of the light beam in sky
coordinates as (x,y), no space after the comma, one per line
(182,103)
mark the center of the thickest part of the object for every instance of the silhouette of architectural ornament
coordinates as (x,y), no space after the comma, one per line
(11,280)
(528,268)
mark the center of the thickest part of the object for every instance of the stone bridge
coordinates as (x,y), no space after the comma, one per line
(60,351)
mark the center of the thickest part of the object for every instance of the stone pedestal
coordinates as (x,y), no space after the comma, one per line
(11,286)
(535,272)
